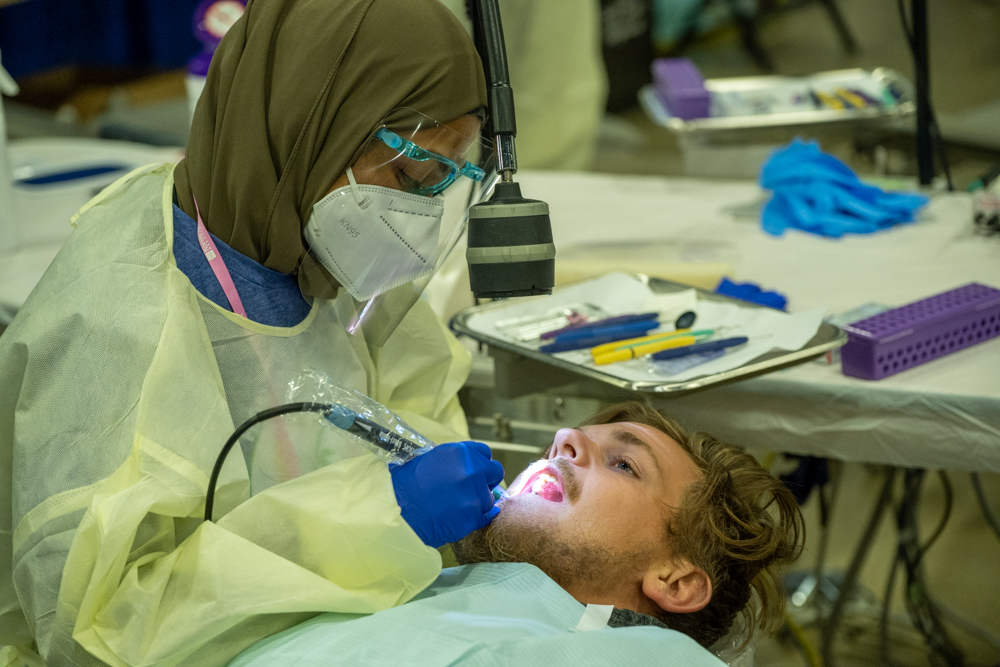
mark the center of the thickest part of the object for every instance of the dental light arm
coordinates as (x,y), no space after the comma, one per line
(511,252)
(488,32)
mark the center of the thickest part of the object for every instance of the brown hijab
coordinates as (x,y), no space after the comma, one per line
(294,91)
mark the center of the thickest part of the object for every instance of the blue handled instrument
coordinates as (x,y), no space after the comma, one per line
(697,348)
(608,321)
(588,342)
(634,329)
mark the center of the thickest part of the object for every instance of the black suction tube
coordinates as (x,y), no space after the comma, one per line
(261,416)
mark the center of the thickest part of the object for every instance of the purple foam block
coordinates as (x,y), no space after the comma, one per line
(681,88)
(921,331)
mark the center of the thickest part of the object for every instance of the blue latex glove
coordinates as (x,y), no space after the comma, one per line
(818,193)
(753,293)
(446,493)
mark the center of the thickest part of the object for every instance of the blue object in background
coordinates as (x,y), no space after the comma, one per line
(751,292)
(38,35)
(818,193)
(58,177)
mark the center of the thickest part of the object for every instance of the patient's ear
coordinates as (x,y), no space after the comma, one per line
(680,588)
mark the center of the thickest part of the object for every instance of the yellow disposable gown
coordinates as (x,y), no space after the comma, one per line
(119,384)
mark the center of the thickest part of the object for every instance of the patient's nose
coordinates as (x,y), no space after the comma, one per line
(572,444)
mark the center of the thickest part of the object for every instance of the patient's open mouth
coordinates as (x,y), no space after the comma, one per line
(544,483)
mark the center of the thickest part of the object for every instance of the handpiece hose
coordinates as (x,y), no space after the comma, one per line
(343,418)
(261,416)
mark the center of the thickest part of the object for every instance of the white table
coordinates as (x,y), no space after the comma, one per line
(43,212)
(943,414)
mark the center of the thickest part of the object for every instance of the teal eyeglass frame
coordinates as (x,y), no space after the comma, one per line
(415,152)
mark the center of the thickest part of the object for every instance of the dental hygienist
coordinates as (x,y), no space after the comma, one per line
(184,302)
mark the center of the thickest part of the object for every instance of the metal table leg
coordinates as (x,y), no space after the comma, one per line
(837,18)
(851,577)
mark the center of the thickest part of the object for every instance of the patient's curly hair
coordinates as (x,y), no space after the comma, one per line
(738,523)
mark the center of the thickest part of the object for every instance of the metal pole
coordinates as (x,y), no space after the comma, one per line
(9,233)
(921,72)
(829,630)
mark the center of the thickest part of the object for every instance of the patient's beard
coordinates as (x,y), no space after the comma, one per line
(578,565)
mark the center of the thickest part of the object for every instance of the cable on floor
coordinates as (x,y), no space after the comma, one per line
(984,504)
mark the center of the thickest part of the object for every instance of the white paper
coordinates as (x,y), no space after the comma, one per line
(620,294)
(766,328)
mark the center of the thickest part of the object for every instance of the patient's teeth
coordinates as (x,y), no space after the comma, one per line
(542,480)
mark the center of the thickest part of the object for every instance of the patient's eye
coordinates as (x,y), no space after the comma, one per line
(624,465)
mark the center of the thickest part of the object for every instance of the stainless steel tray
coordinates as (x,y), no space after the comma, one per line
(828,337)
(881,78)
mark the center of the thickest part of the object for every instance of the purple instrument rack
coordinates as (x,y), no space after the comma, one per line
(921,331)
(681,88)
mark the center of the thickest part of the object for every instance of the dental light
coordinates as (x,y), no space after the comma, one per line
(511,252)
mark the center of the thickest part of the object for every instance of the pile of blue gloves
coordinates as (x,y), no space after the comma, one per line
(447,493)
(818,193)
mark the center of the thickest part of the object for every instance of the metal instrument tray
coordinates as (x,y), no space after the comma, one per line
(873,81)
(828,337)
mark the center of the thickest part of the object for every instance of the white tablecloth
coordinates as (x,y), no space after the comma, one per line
(944,414)
(43,212)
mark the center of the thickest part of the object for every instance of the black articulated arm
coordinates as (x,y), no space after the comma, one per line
(488,33)
(511,252)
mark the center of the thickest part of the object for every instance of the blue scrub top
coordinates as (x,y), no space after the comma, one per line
(269,297)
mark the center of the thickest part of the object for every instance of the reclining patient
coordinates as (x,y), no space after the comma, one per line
(630,543)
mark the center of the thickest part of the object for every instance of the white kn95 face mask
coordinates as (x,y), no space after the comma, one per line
(372,238)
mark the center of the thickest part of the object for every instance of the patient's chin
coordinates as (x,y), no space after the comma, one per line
(520,535)
(510,538)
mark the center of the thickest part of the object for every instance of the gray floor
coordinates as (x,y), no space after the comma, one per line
(963,568)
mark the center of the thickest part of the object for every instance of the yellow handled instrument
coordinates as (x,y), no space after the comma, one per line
(620,344)
(634,351)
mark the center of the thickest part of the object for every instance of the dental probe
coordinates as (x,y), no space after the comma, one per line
(383,438)
(376,434)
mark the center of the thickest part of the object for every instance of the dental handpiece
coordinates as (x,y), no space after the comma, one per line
(393,443)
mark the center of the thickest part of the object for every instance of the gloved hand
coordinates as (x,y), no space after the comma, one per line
(446,493)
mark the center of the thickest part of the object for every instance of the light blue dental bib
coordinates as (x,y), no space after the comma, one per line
(476,615)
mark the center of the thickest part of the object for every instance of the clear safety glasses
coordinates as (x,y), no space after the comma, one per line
(434,178)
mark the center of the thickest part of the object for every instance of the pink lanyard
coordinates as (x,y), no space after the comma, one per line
(218,266)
